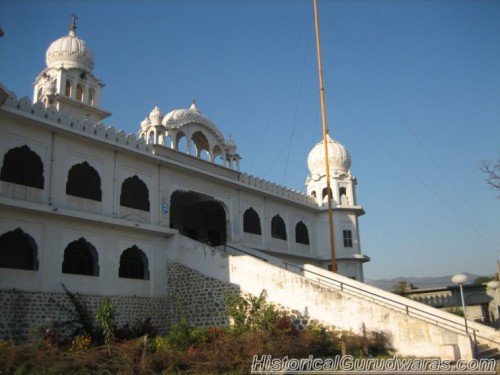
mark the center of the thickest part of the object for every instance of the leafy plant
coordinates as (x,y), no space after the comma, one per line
(455,310)
(251,313)
(81,343)
(105,315)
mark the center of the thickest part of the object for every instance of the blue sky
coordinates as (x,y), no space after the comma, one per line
(413,91)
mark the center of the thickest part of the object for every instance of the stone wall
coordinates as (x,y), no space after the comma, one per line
(201,300)
(21,311)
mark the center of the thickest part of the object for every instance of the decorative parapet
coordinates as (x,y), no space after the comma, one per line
(277,190)
(84,125)
(80,123)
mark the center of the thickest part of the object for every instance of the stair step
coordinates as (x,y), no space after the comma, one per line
(482,347)
(488,353)
(495,355)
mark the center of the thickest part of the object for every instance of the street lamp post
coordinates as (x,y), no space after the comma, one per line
(461,279)
(494,286)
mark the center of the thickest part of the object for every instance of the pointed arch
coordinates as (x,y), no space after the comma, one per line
(251,221)
(278,228)
(301,233)
(343,199)
(68,88)
(134,194)
(18,250)
(91,96)
(84,182)
(79,93)
(181,143)
(22,166)
(324,193)
(134,264)
(81,258)
(200,142)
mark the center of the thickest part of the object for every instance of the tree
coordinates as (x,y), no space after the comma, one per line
(402,286)
(492,171)
(482,280)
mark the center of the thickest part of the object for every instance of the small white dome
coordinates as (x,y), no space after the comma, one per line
(231,146)
(144,123)
(156,116)
(179,117)
(338,157)
(70,52)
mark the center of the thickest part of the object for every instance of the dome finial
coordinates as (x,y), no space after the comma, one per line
(193,105)
(72,27)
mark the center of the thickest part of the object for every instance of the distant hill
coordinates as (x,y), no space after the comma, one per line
(419,282)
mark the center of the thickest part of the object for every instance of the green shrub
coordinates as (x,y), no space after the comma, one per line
(105,315)
(250,313)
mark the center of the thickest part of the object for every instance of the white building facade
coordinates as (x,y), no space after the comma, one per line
(99,210)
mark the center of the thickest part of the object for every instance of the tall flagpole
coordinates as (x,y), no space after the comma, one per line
(325,136)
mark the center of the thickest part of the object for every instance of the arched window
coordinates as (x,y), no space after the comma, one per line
(84,181)
(91,96)
(134,264)
(301,233)
(18,250)
(80,258)
(313,194)
(343,196)
(200,142)
(22,166)
(134,194)
(278,229)
(251,221)
(182,143)
(67,91)
(161,139)
(324,193)
(79,93)
(151,138)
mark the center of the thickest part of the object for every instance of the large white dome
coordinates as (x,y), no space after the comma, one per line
(339,159)
(70,52)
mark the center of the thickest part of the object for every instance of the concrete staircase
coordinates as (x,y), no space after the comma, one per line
(416,329)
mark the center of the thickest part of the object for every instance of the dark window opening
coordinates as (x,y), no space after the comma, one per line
(134,264)
(324,193)
(84,181)
(313,194)
(343,196)
(251,222)
(134,194)
(22,166)
(278,228)
(79,93)
(347,234)
(18,250)
(199,217)
(67,91)
(80,258)
(301,233)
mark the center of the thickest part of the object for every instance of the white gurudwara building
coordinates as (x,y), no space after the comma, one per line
(165,232)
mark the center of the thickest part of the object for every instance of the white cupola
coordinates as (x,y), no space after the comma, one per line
(69,52)
(68,82)
(338,158)
(203,138)
(341,181)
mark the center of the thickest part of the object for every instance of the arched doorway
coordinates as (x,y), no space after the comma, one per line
(198,216)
